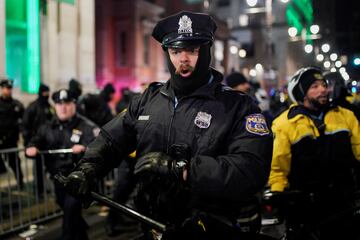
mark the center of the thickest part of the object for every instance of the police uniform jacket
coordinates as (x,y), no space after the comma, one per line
(36,114)
(229,140)
(309,157)
(11,112)
(63,135)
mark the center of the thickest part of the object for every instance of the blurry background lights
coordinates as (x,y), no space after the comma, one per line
(338,63)
(285,1)
(327,64)
(251,3)
(320,57)
(342,70)
(325,47)
(233,49)
(357,61)
(252,73)
(314,29)
(333,69)
(308,48)
(333,56)
(242,53)
(243,20)
(292,31)
(259,67)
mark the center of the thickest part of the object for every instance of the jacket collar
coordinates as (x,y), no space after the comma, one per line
(298,111)
(205,91)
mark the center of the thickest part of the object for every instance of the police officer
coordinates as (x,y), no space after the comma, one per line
(36,114)
(67,130)
(204,149)
(316,152)
(11,112)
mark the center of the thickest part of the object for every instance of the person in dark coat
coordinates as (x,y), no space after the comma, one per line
(36,114)
(204,150)
(96,106)
(67,130)
(11,113)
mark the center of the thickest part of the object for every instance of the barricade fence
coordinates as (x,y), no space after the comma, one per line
(27,193)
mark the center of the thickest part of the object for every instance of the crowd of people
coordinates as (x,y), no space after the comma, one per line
(200,149)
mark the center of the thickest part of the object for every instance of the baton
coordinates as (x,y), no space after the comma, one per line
(54,151)
(129,212)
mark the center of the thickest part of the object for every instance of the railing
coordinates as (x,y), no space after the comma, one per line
(33,202)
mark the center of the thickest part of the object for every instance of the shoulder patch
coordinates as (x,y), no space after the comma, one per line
(256,124)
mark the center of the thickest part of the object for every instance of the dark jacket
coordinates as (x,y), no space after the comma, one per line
(230,147)
(11,112)
(60,135)
(36,114)
(95,108)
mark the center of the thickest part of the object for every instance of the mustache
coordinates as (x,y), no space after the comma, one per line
(183,67)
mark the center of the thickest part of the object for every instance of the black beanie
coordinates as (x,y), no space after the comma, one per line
(234,79)
(109,89)
(305,81)
(43,88)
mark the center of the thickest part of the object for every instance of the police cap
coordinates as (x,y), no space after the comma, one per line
(185,29)
(6,83)
(63,95)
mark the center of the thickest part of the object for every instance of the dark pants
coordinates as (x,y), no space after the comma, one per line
(74,226)
(116,222)
(14,163)
(39,175)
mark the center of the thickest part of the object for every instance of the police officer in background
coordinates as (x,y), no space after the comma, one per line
(11,112)
(317,153)
(204,150)
(67,130)
(36,114)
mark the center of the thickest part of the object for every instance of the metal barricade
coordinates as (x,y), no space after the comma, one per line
(21,202)
(23,205)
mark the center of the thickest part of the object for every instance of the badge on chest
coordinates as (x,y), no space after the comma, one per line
(76,135)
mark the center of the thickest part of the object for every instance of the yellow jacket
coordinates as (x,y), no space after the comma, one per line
(298,133)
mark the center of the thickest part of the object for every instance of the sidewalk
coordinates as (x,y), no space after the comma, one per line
(52,229)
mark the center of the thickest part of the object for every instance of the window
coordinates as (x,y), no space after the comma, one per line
(146,49)
(122,46)
(223,3)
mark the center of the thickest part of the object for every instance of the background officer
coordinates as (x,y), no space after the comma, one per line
(11,112)
(67,130)
(204,150)
(316,151)
(36,114)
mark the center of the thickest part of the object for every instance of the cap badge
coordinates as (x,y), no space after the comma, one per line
(185,25)
(63,94)
(202,120)
(318,76)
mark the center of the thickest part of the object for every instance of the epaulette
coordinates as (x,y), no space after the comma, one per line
(155,85)
(226,88)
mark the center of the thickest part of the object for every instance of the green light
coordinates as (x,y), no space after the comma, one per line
(33,46)
(299,14)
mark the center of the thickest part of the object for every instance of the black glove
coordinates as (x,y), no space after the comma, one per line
(76,185)
(161,165)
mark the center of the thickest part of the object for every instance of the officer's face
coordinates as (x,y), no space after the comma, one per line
(184,60)
(6,91)
(317,94)
(65,110)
